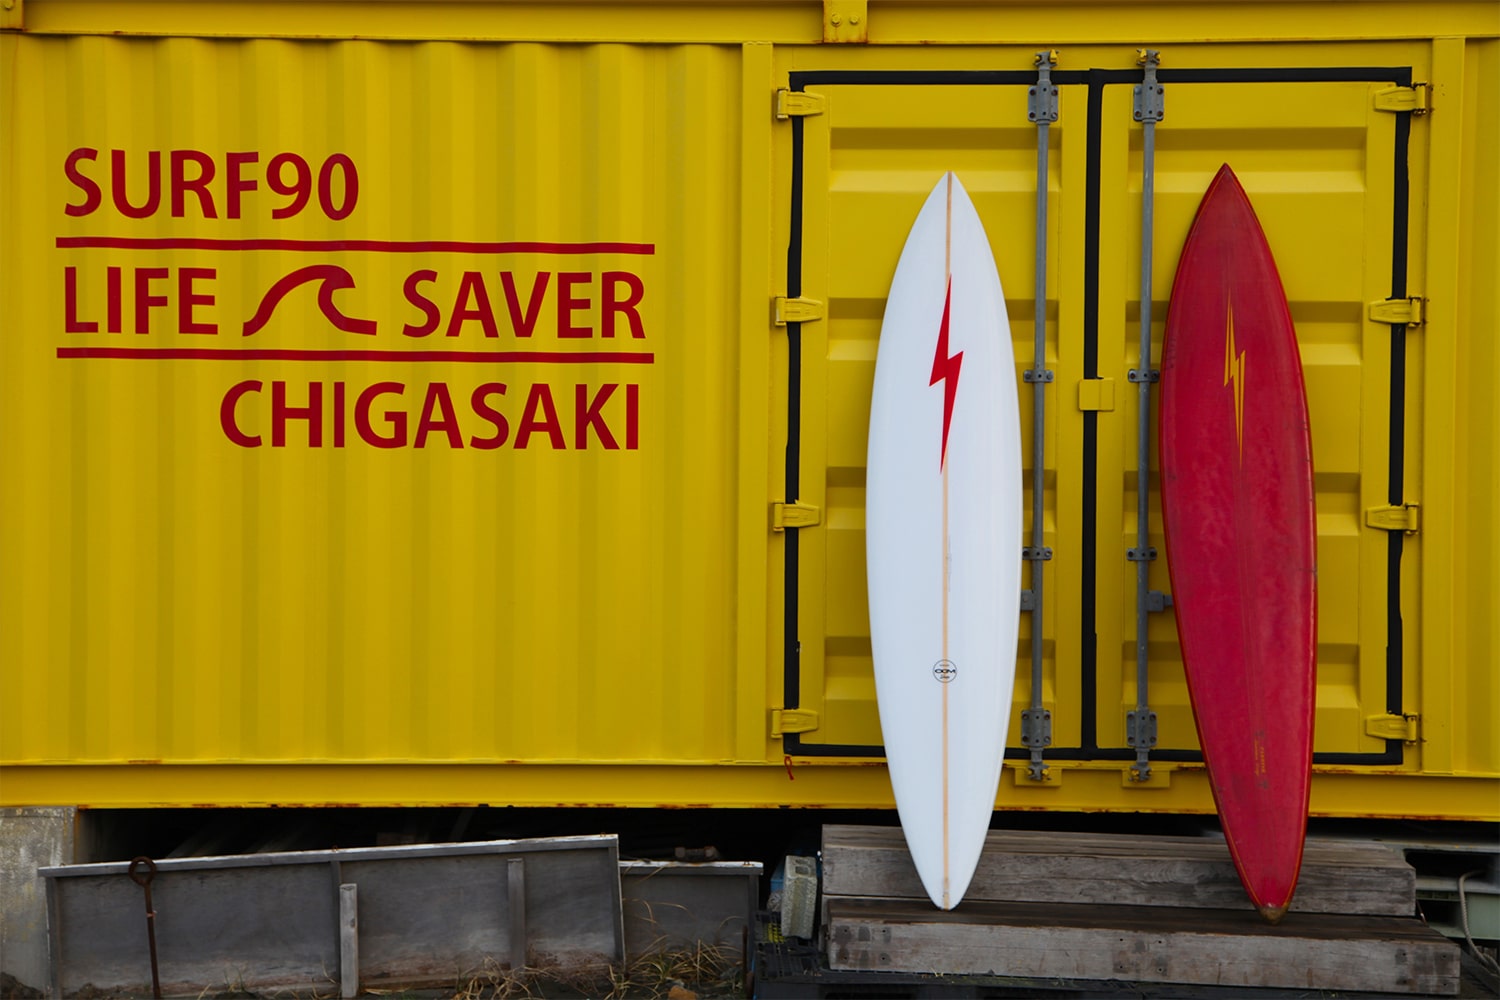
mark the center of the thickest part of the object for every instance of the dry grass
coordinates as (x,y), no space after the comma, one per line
(701,970)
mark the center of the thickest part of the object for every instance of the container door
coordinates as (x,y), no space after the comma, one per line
(1324,164)
(867,163)
(1322,153)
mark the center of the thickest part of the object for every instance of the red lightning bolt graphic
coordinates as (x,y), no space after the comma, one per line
(945,370)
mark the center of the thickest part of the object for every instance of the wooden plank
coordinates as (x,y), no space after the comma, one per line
(1337,876)
(1143,944)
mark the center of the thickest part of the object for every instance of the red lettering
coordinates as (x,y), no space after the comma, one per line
(396,418)
(325,187)
(281,412)
(540,398)
(632,416)
(430,313)
(524,323)
(472,285)
(182,183)
(587,415)
(226,414)
(299,189)
(628,305)
(568,303)
(187,299)
(480,402)
(71,322)
(115,300)
(235,184)
(338,414)
(437,398)
(144,300)
(117,185)
(92,196)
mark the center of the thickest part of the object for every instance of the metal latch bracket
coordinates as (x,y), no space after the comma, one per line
(1140,729)
(1041,101)
(1036,728)
(1150,104)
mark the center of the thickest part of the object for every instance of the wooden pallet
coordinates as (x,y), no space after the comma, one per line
(1143,944)
(1337,876)
(1139,909)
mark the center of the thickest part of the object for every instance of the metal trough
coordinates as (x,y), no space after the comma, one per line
(366,917)
(672,906)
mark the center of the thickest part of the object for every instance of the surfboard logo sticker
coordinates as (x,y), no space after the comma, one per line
(945,671)
(945,369)
(1234,377)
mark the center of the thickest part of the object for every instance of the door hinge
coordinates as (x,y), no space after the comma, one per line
(1392,727)
(797,310)
(798,104)
(793,720)
(1398,312)
(794,515)
(1398,99)
(1406,517)
(1096,394)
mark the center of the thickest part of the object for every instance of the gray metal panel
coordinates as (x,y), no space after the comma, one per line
(434,919)
(673,906)
(257,927)
(426,914)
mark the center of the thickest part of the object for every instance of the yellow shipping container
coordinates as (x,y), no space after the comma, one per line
(465,402)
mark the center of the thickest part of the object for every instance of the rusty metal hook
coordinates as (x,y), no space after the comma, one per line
(144,881)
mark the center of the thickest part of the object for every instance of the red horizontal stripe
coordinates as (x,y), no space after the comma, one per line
(464,357)
(324,246)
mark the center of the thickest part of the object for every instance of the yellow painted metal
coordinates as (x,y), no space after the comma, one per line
(1073,23)
(1318,167)
(189,620)
(858,194)
(1175,789)
(462,555)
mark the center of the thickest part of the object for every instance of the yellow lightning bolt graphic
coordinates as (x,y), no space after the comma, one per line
(1234,374)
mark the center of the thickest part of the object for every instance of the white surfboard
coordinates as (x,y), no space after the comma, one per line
(944,534)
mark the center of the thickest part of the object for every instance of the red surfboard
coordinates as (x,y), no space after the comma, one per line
(1241,545)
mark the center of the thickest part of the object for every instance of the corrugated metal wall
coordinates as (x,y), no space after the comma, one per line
(580,569)
(190,598)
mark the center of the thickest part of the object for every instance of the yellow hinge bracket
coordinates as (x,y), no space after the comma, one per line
(1398,312)
(1392,727)
(797,310)
(846,21)
(1397,99)
(794,515)
(1405,518)
(793,720)
(12,13)
(1096,394)
(798,104)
